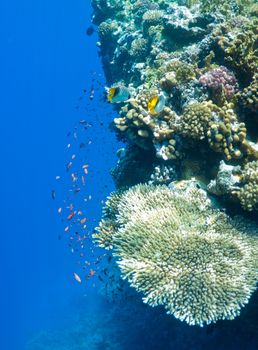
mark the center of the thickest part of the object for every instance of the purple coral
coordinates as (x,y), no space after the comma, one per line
(219,78)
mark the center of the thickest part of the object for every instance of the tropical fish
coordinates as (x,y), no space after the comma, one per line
(70,216)
(156,104)
(117,94)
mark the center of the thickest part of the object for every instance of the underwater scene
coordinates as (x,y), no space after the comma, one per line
(132,169)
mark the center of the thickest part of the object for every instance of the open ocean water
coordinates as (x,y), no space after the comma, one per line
(56,153)
(47,63)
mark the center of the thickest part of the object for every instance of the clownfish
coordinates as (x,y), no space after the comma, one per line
(156,104)
(117,94)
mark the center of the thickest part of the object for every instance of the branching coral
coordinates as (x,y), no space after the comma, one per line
(176,73)
(149,130)
(248,194)
(195,120)
(220,80)
(240,47)
(227,8)
(179,252)
(226,134)
(219,125)
(248,98)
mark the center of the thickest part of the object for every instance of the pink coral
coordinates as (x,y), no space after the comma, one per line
(219,78)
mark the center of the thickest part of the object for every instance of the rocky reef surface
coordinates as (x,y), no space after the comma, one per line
(189,72)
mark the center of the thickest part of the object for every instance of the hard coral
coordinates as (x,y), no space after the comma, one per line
(220,80)
(147,130)
(248,98)
(240,48)
(226,134)
(179,252)
(195,120)
(219,125)
(248,194)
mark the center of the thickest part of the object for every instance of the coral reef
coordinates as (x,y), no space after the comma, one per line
(191,69)
(248,194)
(248,98)
(175,248)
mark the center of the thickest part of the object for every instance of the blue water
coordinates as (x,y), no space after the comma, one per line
(46,62)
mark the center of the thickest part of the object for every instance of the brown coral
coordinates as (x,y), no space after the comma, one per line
(248,194)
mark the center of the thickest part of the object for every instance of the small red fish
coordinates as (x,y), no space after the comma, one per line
(70,216)
(92,272)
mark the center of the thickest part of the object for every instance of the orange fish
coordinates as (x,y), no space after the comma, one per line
(92,272)
(70,216)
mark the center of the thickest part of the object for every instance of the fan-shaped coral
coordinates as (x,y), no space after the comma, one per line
(180,252)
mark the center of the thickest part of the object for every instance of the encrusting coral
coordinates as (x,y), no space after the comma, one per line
(180,252)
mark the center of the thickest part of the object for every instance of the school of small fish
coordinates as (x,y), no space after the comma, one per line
(73,209)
